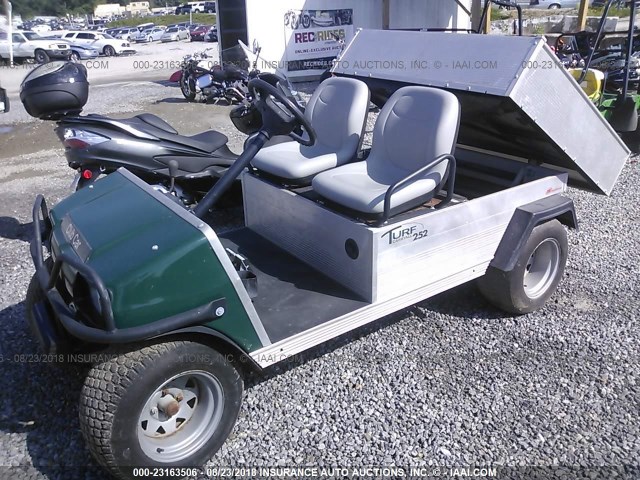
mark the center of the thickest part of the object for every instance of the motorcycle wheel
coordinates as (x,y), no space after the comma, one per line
(185,87)
(306,21)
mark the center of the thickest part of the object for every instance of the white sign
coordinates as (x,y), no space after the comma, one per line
(314,38)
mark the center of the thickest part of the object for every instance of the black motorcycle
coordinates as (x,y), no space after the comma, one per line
(200,74)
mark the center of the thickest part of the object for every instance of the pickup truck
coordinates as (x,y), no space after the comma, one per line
(27,45)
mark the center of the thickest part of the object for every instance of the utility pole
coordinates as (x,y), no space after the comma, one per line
(582,14)
(9,9)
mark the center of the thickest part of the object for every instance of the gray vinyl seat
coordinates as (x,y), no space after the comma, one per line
(337,111)
(413,142)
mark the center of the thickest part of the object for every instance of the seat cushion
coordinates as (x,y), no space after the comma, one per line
(208,141)
(157,122)
(292,161)
(338,112)
(357,187)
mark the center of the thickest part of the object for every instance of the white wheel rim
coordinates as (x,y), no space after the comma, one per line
(165,438)
(542,268)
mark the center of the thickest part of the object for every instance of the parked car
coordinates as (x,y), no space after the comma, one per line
(522,3)
(620,4)
(82,52)
(145,26)
(174,34)
(183,9)
(554,4)
(149,35)
(198,33)
(203,7)
(27,45)
(128,34)
(42,28)
(212,34)
(106,44)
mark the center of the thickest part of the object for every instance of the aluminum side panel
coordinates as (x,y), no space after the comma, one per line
(458,238)
(311,233)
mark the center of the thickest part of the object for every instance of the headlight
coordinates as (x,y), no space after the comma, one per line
(53,46)
(86,300)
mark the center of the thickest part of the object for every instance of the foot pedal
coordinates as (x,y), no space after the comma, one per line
(248,278)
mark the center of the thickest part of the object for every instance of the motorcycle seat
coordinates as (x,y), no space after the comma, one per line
(230,72)
(208,141)
(156,122)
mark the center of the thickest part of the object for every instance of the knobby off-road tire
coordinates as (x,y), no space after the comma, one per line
(536,275)
(34,295)
(124,428)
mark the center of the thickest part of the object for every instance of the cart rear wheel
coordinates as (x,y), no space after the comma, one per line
(165,405)
(536,275)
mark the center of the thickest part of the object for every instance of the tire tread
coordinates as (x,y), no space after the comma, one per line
(104,386)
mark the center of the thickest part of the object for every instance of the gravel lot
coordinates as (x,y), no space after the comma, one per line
(451,381)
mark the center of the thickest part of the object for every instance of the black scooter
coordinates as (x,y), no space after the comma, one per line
(149,147)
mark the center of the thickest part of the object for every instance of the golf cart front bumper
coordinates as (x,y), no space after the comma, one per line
(54,311)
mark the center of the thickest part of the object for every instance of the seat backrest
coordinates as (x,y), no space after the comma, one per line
(338,112)
(416,125)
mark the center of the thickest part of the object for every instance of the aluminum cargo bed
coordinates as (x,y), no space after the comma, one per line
(516,97)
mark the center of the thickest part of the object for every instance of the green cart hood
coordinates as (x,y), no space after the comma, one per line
(155,258)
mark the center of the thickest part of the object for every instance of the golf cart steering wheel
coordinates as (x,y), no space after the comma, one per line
(288,117)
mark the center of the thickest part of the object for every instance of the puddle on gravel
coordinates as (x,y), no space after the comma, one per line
(25,138)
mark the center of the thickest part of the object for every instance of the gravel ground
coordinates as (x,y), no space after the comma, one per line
(450,381)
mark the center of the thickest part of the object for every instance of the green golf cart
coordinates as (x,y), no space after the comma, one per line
(172,307)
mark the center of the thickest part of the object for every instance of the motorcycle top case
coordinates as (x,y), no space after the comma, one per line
(55,89)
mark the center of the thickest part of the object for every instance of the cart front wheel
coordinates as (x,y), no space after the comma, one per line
(169,404)
(536,275)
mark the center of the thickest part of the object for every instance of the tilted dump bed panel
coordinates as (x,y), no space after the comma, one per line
(516,97)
